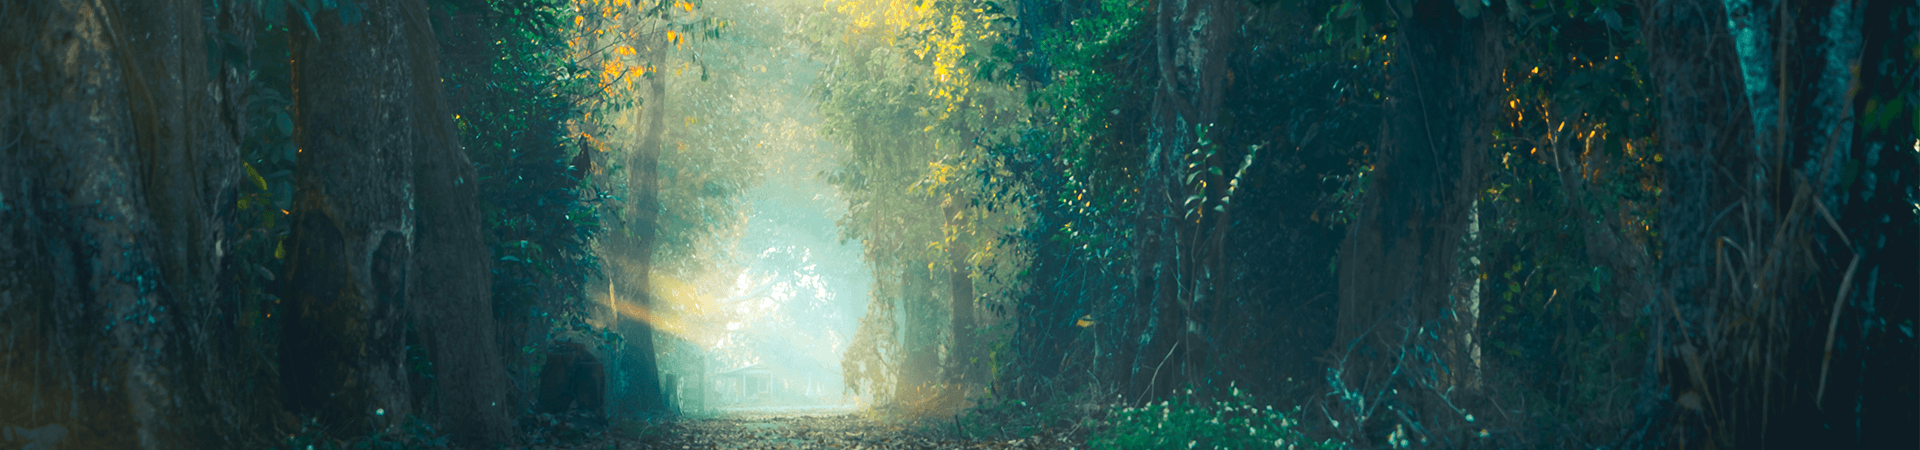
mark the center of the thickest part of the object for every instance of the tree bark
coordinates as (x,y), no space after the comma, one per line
(351,245)
(921,364)
(118,154)
(1398,263)
(1870,397)
(967,364)
(1192,41)
(452,294)
(639,366)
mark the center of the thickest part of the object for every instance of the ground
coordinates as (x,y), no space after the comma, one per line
(800,431)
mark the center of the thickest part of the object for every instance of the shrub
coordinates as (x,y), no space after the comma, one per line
(1185,422)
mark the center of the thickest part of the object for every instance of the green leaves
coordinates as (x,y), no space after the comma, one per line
(1880,113)
(1469,8)
(1186,422)
(283,123)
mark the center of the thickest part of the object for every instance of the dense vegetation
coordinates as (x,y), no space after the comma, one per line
(1518,224)
(1229,223)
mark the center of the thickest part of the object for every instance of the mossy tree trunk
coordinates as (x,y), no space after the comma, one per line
(118,158)
(1398,265)
(349,254)
(1191,43)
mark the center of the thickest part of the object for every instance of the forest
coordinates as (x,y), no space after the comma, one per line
(1006,224)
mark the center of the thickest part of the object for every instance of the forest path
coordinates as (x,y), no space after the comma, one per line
(782,432)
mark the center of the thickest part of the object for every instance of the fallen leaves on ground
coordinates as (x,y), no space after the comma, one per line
(847,431)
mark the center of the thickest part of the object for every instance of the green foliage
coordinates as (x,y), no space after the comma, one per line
(1191,423)
(513,110)
(1099,62)
(269,157)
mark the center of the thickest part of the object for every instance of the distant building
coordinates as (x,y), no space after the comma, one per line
(764,384)
(750,384)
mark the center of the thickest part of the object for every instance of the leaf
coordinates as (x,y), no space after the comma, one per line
(254,175)
(283,195)
(283,123)
(349,12)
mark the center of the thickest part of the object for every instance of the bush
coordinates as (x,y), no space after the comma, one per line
(1185,422)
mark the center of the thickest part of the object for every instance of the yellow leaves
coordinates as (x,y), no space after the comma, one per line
(579,20)
(624,50)
(610,70)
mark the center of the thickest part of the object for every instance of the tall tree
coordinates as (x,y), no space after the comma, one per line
(640,371)
(1398,263)
(358,123)
(118,161)
(1191,41)
(450,293)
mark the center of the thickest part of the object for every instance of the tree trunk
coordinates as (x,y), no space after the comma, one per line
(967,363)
(1704,133)
(118,154)
(1869,396)
(1192,41)
(452,290)
(639,365)
(345,318)
(1398,263)
(921,363)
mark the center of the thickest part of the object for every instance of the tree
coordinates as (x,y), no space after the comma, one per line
(643,185)
(359,126)
(118,163)
(450,291)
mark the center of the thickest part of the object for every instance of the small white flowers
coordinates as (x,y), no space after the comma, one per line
(380,412)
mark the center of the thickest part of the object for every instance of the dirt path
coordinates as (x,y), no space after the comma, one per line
(846,431)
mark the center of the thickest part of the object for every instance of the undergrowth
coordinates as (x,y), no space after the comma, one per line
(1187,422)
(414,434)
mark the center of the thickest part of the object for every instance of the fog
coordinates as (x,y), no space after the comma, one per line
(762,316)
